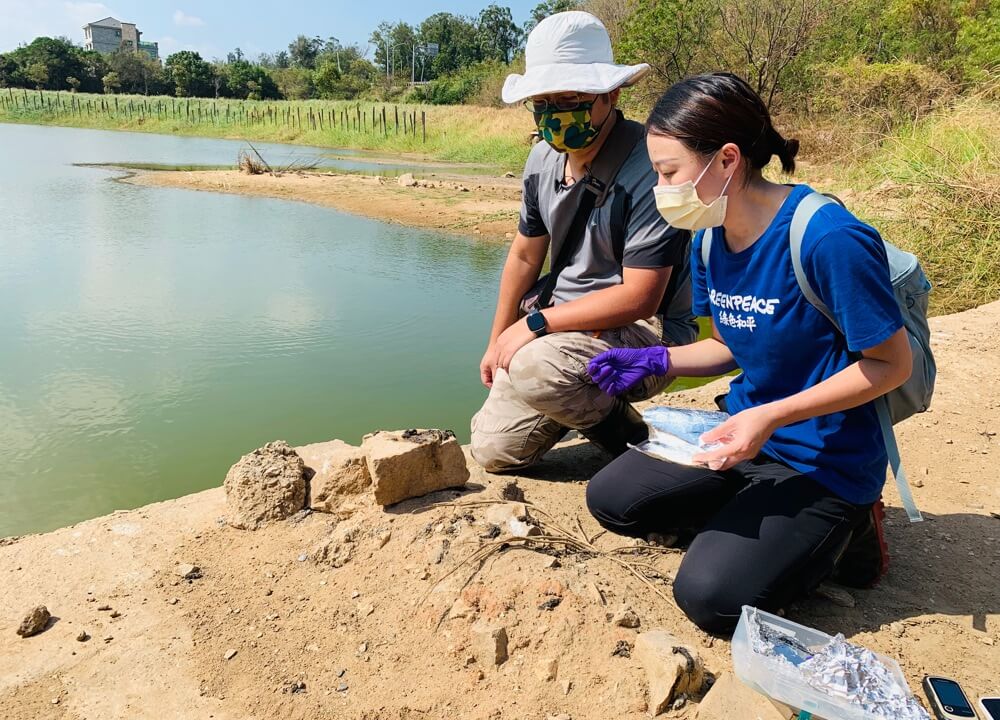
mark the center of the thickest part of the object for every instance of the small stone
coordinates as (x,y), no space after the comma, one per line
(188,571)
(407,180)
(103,608)
(173,601)
(437,551)
(550,603)
(552,564)
(623,648)
(519,528)
(897,629)
(560,716)
(34,622)
(342,687)
(672,669)
(83,636)
(383,538)
(679,703)
(355,595)
(987,640)
(512,493)
(230,654)
(836,595)
(502,513)
(548,668)
(490,644)
(567,685)
(55,701)
(108,638)
(362,648)
(341,672)
(115,614)
(917,482)
(626,617)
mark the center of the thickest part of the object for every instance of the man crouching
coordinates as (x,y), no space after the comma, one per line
(619,275)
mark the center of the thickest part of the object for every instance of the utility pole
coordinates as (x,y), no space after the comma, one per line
(413,66)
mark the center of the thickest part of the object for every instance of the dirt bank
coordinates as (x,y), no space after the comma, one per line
(373,639)
(472,205)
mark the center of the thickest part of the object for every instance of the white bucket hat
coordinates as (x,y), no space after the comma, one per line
(569,52)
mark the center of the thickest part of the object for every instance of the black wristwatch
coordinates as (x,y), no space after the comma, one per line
(536,323)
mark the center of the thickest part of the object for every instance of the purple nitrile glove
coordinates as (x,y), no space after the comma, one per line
(619,369)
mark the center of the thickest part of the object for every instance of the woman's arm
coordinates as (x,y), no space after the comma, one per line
(881,369)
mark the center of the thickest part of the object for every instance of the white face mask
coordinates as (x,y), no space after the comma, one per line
(681,207)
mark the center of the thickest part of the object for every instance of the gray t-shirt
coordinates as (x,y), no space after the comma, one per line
(546,209)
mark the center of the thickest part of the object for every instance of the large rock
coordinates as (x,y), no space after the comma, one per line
(268,484)
(729,698)
(672,668)
(490,644)
(410,463)
(34,622)
(337,473)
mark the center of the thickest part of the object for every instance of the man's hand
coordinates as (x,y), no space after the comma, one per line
(510,341)
(488,365)
(742,436)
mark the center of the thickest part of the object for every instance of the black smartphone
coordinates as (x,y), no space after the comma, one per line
(947,699)
(990,707)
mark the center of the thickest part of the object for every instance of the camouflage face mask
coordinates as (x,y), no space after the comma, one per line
(568,130)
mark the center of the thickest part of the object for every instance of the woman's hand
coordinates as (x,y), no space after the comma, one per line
(618,370)
(510,341)
(742,436)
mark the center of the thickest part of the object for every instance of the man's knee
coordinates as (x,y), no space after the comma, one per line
(498,452)
(539,372)
(708,599)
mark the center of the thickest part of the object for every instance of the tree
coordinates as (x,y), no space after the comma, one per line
(248,82)
(302,51)
(765,36)
(394,48)
(74,84)
(670,35)
(282,60)
(111,83)
(457,39)
(46,62)
(191,76)
(38,74)
(549,7)
(498,35)
(137,72)
(294,83)
(235,56)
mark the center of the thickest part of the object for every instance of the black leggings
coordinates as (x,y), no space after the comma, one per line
(766,534)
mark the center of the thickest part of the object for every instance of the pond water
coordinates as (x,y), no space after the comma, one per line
(149,336)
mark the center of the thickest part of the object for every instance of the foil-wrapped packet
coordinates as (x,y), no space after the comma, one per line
(840,670)
(675,433)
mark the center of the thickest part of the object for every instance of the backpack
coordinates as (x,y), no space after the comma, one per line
(911,288)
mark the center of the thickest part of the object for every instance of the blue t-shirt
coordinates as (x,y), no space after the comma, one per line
(784,345)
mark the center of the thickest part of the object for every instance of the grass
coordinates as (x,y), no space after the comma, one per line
(489,136)
(931,187)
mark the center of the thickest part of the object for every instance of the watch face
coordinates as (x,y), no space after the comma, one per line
(536,322)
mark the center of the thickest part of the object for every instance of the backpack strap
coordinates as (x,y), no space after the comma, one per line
(594,190)
(805,211)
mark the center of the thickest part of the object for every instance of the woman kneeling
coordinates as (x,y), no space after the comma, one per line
(792,495)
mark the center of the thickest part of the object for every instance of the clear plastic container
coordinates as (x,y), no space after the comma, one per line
(778,680)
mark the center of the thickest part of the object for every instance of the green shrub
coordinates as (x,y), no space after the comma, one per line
(897,92)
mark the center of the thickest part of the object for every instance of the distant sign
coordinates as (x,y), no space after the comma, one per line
(432,49)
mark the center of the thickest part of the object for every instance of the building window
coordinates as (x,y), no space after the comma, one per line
(118,33)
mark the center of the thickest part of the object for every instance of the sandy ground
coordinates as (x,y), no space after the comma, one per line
(472,205)
(373,639)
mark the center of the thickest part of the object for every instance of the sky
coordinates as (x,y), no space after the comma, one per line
(214,27)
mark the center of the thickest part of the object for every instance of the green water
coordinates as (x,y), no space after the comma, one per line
(149,337)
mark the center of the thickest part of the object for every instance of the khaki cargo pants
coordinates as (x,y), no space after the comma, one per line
(547,391)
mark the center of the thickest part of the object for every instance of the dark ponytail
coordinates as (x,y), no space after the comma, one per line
(705,112)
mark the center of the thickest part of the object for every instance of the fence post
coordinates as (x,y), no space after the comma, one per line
(423,123)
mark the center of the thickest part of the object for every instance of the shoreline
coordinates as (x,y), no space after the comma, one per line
(294,619)
(480,206)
